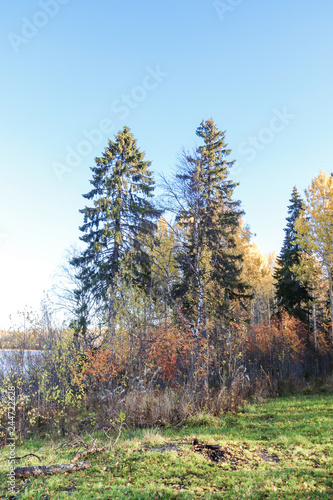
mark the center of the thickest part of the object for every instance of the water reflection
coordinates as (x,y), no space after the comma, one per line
(18,361)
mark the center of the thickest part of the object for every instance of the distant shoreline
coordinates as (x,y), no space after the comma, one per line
(18,350)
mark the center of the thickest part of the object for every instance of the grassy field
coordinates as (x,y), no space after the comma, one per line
(280,449)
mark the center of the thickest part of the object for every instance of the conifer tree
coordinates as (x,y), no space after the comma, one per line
(122,215)
(207,218)
(292,294)
(315,227)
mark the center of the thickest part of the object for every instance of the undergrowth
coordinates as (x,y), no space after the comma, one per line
(282,448)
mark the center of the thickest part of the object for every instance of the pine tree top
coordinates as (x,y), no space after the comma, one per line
(121,160)
(215,150)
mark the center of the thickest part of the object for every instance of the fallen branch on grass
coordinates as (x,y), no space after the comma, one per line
(76,441)
(94,450)
(50,469)
(20,458)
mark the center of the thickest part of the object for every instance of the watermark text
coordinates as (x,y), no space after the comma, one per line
(30,27)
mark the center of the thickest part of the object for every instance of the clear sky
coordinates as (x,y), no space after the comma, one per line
(74,73)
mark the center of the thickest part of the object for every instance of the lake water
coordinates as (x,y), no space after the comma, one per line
(18,360)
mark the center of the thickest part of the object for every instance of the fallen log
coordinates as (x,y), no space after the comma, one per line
(36,471)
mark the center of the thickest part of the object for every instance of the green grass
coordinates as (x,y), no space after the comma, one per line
(282,449)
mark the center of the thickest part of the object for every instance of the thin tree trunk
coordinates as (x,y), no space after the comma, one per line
(331,301)
(207,364)
(314,325)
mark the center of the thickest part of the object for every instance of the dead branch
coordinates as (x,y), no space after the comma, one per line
(94,450)
(20,458)
(76,442)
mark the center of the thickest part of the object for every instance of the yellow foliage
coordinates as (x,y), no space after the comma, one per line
(315,224)
(315,227)
(257,269)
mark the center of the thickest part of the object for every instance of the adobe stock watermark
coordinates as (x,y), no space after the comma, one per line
(11,430)
(30,27)
(224,7)
(121,108)
(266,135)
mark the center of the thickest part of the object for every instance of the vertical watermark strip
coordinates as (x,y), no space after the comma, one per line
(11,429)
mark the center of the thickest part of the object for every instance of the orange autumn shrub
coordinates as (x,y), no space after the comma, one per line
(277,346)
(169,352)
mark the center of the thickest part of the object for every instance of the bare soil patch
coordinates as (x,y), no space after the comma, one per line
(233,455)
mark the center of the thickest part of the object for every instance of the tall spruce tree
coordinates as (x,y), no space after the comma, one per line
(292,295)
(208,219)
(122,215)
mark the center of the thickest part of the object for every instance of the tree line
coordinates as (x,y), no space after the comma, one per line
(170,307)
(185,260)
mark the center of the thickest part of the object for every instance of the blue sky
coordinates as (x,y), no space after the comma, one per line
(74,73)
